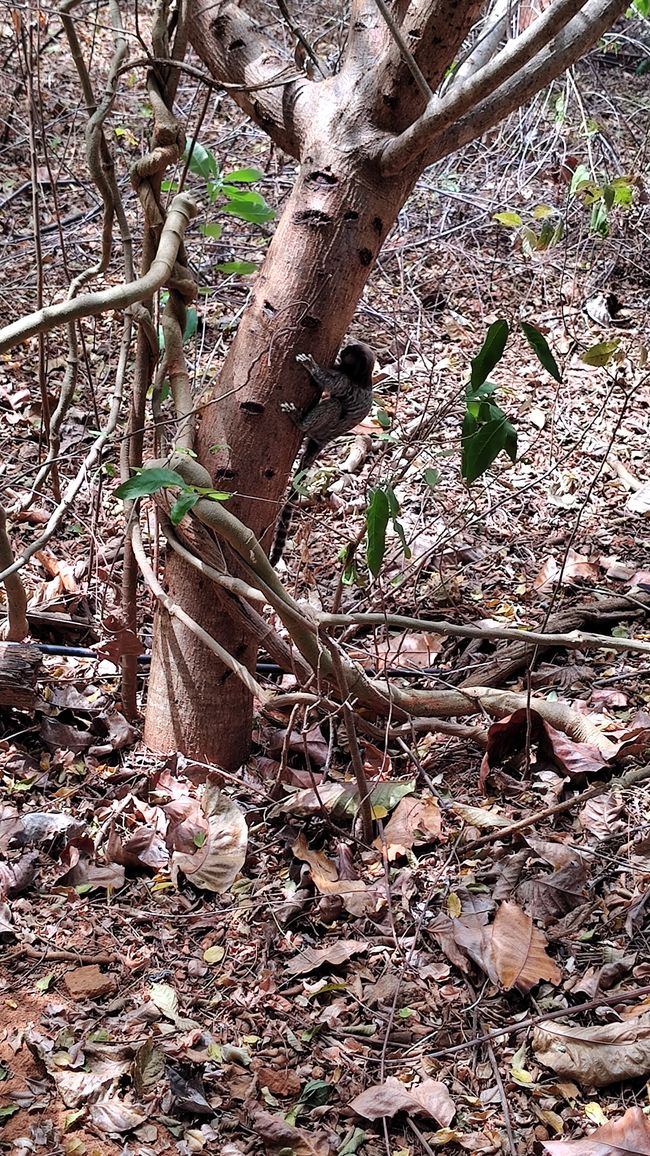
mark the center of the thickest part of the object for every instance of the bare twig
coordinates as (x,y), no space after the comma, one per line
(181,212)
(365,807)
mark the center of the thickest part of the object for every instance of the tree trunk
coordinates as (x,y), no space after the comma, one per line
(362,136)
(317,265)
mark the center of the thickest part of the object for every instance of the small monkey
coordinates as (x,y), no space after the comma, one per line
(348,386)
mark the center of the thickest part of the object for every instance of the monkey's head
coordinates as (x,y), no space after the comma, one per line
(357,362)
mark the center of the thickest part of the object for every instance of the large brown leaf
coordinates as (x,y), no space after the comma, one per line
(627,1136)
(596,1056)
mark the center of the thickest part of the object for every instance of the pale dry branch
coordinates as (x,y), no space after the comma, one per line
(15,626)
(181,212)
(573,640)
(177,612)
(550,62)
(442,112)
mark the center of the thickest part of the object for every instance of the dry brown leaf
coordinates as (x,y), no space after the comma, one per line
(277,1135)
(215,865)
(332,953)
(598,1055)
(356,896)
(577,567)
(627,1136)
(417,649)
(510,950)
(410,818)
(518,950)
(430,1098)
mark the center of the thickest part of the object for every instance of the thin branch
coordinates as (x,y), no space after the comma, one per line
(181,212)
(574,640)
(407,55)
(501,833)
(295,30)
(177,612)
(355,754)
(93,457)
(557,38)
(15,627)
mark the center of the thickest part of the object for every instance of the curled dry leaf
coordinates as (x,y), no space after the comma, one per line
(430,1098)
(508,738)
(277,1135)
(627,1136)
(411,819)
(114,1116)
(215,865)
(332,953)
(595,1056)
(356,896)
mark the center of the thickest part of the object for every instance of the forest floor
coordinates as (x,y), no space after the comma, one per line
(337,997)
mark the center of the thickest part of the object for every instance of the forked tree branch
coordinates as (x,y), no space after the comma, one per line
(577,38)
(238,53)
(525,65)
(181,212)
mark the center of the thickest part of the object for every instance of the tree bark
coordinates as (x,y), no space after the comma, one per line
(362,137)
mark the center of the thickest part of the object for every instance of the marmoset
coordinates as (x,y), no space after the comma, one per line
(348,389)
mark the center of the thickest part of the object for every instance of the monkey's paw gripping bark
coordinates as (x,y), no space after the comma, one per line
(289,407)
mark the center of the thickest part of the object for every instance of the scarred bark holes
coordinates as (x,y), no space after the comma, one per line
(235,44)
(253,407)
(365,256)
(319,177)
(312,217)
(309,322)
(269,473)
(351,215)
(378,224)
(268,308)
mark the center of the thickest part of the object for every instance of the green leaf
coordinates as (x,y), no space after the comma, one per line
(213,189)
(199,838)
(250,206)
(383,798)
(541,212)
(242,267)
(45,982)
(485,390)
(215,495)
(182,506)
(384,419)
(191,322)
(599,222)
(480,450)
(393,505)
(511,220)
(431,477)
(244,176)
(148,482)
(213,229)
(540,347)
(489,354)
(169,186)
(8,1110)
(377,516)
(600,354)
(351,1146)
(202,162)
(580,179)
